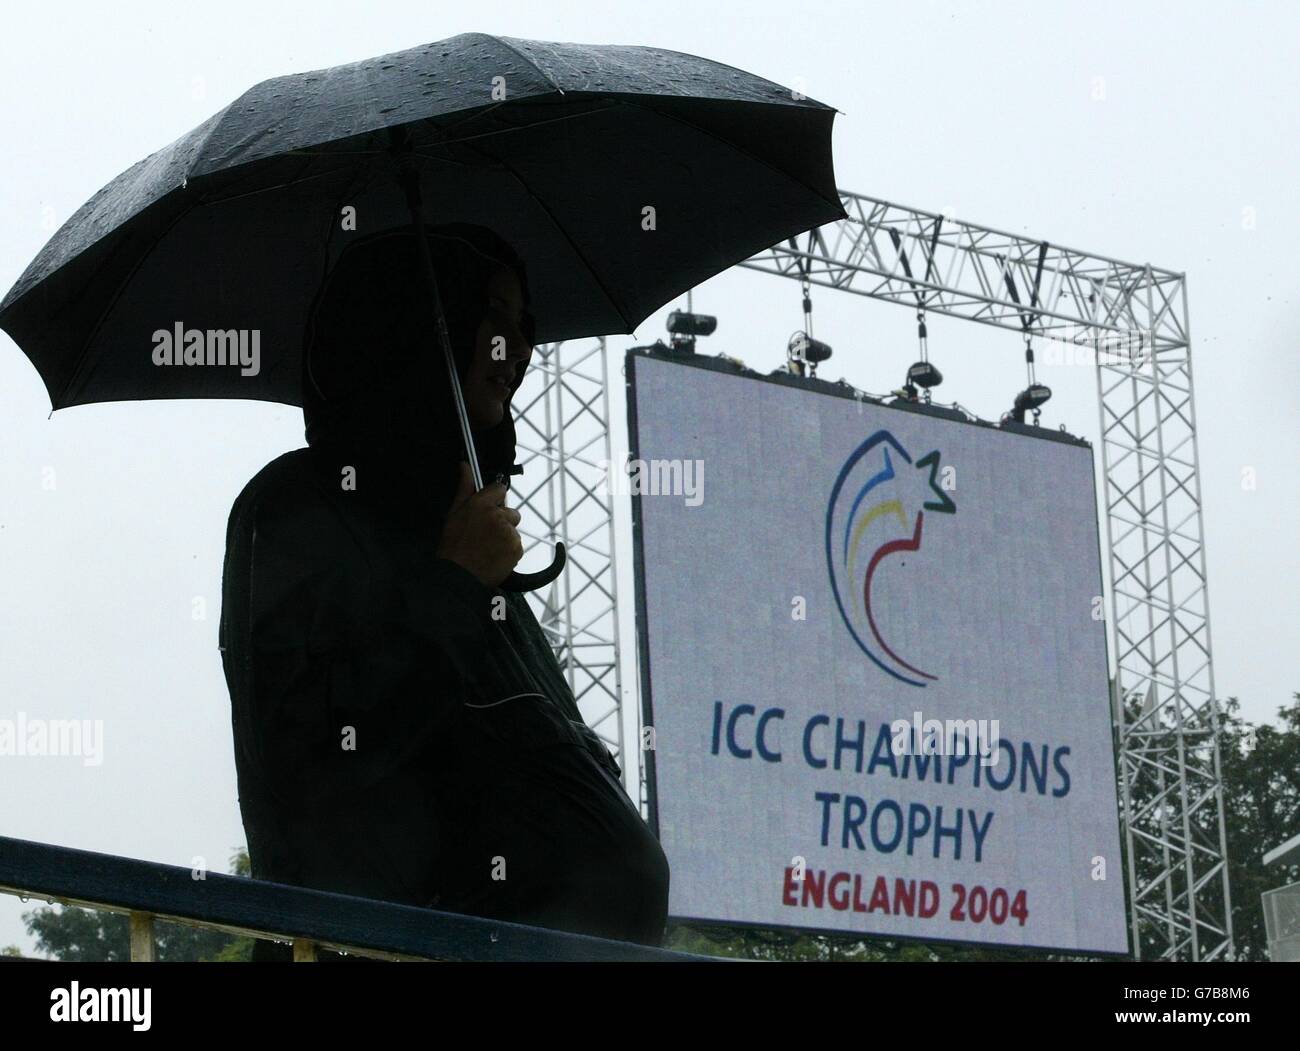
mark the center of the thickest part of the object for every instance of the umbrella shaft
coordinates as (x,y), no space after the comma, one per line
(458,394)
(411,184)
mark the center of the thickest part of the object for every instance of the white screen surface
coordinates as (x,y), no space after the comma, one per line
(815,586)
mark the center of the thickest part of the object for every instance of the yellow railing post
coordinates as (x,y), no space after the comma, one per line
(143,947)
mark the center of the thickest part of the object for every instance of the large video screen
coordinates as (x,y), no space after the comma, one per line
(873,665)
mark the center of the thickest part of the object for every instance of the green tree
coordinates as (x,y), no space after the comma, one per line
(1261,771)
(760,944)
(1260,766)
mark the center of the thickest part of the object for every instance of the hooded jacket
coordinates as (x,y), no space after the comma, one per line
(399,727)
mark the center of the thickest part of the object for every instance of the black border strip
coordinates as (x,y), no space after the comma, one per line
(638,588)
(1113,701)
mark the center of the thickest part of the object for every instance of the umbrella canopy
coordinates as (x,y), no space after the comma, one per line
(622,175)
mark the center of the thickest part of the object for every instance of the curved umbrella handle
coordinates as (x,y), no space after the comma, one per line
(520,582)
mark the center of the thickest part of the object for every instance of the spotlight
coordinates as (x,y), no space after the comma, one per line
(804,350)
(923,374)
(1032,398)
(685,327)
(681,323)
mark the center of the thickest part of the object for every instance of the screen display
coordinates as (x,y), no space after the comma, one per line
(873,663)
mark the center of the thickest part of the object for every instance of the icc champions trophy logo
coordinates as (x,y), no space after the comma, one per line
(873,513)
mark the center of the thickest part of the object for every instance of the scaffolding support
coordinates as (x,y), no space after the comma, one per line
(563,441)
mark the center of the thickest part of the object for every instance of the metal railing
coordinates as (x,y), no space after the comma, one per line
(309,919)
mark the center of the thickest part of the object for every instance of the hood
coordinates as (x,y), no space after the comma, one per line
(377,397)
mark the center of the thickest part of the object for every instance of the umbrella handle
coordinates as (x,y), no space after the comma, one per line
(520,582)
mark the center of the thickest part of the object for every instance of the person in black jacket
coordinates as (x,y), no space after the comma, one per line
(402,728)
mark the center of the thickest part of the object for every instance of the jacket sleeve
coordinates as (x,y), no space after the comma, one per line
(351,670)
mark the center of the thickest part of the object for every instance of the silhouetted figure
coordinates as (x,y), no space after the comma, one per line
(402,729)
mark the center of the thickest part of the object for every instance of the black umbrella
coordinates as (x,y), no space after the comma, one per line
(622,175)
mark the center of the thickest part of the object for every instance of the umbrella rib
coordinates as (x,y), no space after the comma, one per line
(195,201)
(563,233)
(507,130)
(209,200)
(365,176)
(99,323)
(744,153)
(383,151)
(524,58)
(81,358)
(216,120)
(610,103)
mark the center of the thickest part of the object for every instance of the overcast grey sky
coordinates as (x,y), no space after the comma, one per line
(988,110)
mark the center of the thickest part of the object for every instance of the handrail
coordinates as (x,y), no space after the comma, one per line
(307,918)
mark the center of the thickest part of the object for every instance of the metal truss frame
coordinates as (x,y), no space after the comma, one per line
(562,424)
(1166,710)
(1132,320)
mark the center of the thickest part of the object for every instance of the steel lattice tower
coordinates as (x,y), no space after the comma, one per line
(564,444)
